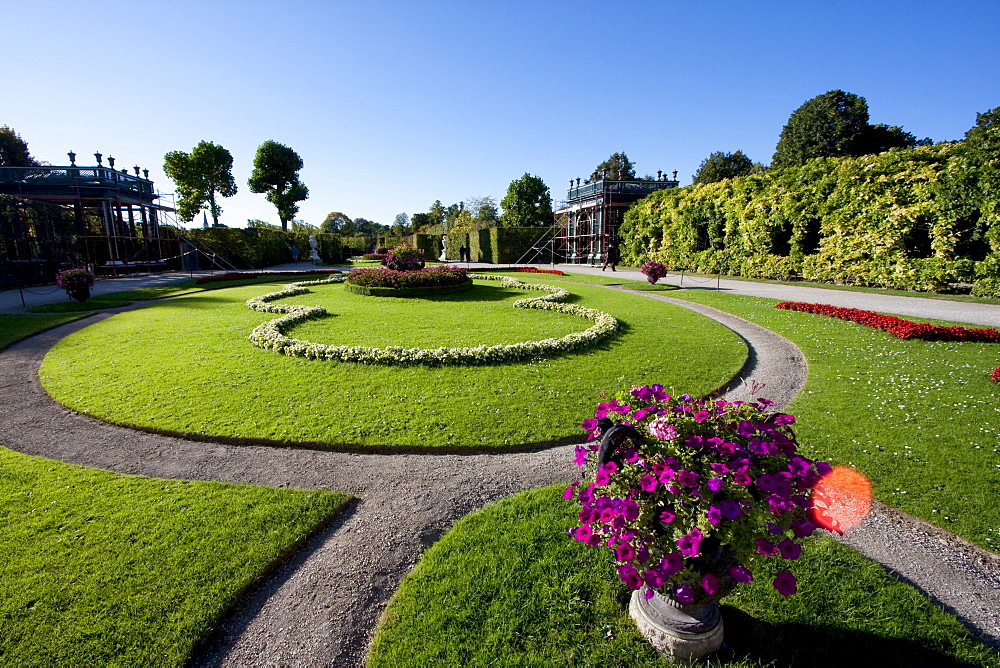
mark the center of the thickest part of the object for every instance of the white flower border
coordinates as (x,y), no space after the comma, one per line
(271,335)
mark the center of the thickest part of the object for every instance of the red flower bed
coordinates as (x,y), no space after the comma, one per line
(995,376)
(901,329)
(526,270)
(239,275)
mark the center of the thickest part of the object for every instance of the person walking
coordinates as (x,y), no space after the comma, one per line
(295,254)
(611,255)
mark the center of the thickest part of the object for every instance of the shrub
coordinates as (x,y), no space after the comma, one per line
(405,258)
(384,277)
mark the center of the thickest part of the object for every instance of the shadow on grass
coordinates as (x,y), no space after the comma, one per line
(803,645)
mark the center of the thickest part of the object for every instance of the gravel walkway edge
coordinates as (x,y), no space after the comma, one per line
(320,607)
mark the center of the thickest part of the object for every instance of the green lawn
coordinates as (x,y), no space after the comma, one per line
(186,366)
(919,418)
(507,584)
(16,327)
(114,569)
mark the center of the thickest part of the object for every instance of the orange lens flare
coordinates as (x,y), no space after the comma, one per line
(841,499)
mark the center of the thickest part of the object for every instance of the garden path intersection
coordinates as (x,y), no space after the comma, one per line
(320,607)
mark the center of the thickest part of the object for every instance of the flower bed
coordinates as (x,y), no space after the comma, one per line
(527,270)
(240,275)
(901,329)
(383,277)
(271,335)
(690,496)
(426,291)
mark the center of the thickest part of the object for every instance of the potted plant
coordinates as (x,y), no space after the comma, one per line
(653,271)
(690,496)
(76,282)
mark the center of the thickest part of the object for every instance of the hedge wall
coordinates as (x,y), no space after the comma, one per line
(256,248)
(503,245)
(900,219)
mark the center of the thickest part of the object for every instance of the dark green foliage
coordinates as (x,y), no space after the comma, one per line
(276,173)
(616,168)
(259,247)
(199,175)
(909,219)
(527,203)
(14,150)
(337,223)
(430,244)
(829,125)
(718,166)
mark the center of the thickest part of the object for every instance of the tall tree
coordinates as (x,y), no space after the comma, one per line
(276,173)
(527,204)
(419,221)
(199,175)
(335,222)
(484,211)
(401,222)
(829,125)
(616,168)
(14,150)
(718,166)
(437,212)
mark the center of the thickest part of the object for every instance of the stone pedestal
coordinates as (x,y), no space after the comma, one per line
(684,631)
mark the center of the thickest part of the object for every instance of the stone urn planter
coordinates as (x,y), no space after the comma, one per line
(690,497)
(80,294)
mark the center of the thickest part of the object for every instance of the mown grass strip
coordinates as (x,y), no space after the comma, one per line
(15,327)
(507,584)
(111,569)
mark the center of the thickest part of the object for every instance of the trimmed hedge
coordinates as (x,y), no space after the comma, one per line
(259,247)
(425,291)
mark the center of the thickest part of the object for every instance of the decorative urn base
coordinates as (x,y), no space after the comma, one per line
(80,294)
(690,631)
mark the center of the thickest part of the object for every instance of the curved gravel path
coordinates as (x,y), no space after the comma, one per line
(320,608)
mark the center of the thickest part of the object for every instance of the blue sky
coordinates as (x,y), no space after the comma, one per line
(395,104)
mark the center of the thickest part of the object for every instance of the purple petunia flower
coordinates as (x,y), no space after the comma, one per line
(630,510)
(743,479)
(789,549)
(589,424)
(653,578)
(766,483)
(683,594)
(602,478)
(583,533)
(710,584)
(671,564)
(648,482)
(746,429)
(766,547)
(700,416)
(774,528)
(784,419)
(741,574)
(688,478)
(690,544)
(685,397)
(607,514)
(713,514)
(803,528)
(629,576)
(581,455)
(570,491)
(731,510)
(785,583)
(714,484)
(667,517)
(587,515)
(625,552)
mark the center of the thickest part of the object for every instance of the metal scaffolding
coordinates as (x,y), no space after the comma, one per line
(589,219)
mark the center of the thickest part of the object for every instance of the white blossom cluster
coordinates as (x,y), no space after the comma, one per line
(272,334)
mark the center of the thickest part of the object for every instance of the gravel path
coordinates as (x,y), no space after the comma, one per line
(320,608)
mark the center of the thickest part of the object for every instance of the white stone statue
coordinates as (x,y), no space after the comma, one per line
(444,248)
(313,253)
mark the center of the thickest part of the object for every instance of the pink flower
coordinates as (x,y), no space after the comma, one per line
(625,552)
(766,547)
(683,594)
(742,479)
(710,584)
(789,549)
(671,564)
(570,492)
(667,517)
(583,533)
(662,429)
(690,544)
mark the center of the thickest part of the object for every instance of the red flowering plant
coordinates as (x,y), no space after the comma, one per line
(692,496)
(405,258)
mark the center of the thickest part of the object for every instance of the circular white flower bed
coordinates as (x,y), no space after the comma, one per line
(272,334)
